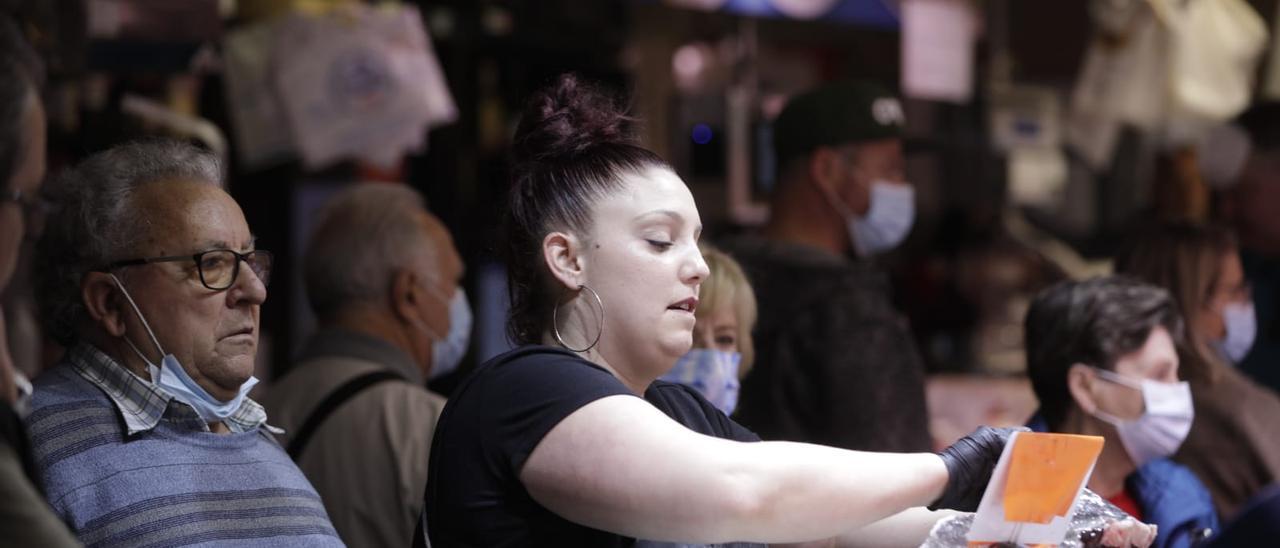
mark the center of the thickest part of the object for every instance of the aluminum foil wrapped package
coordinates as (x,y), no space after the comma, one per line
(1090,520)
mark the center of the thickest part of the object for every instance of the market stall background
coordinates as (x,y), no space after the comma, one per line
(303,97)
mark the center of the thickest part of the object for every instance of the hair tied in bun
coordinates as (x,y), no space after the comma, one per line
(567,119)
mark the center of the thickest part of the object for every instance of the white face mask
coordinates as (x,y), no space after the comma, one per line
(172,378)
(447,353)
(893,211)
(1242,328)
(713,373)
(1165,421)
(888,220)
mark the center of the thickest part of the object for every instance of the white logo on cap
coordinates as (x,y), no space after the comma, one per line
(887,111)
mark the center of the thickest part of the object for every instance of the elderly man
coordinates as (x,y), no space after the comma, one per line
(148,274)
(836,362)
(1103,360)
(382,277)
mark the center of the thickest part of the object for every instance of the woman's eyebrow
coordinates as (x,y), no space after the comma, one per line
(671,214)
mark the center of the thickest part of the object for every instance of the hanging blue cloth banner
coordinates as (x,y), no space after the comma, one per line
(880,14)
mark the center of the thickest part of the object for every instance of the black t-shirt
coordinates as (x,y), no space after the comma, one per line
(687,406)
(492,423)
(497,417)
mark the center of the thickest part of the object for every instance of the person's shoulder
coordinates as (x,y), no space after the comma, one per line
(531,373)
(680,402)
(807,275)
(62,386)
(1166,476)
(1225,398)
(1171,493)
(537,360)
(690,408)
(405,399)
(61,378)
(65,406)
(673,393)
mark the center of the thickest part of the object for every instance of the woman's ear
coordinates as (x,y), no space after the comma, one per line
(1080,382)
(563,254)
(102,300)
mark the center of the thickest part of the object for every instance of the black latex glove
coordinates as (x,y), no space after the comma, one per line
(970,462)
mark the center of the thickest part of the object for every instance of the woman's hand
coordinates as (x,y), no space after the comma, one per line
(970,461)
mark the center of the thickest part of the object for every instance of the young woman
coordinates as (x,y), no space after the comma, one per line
(1200,266)
(552,443)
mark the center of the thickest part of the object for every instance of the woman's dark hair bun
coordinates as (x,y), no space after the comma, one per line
(567,119)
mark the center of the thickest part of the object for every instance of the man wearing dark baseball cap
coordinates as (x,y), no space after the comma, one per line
(837,364)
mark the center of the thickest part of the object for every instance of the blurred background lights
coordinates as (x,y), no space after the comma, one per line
(702,134)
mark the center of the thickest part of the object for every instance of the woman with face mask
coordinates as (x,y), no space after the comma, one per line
(722,351)
(1102,358)
(1200,266)
(553,443)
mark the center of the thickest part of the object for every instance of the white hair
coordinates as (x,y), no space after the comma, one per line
(362,237)
(94,219)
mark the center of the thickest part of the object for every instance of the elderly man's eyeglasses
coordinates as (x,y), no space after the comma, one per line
(218,267)
(34,210)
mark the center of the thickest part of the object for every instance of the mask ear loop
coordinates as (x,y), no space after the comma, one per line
(422,324)
(1117,378)
(843,210)
(555,329)
(1111,376)
(145,325)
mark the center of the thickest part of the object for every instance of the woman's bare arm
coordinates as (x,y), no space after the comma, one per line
(620,465)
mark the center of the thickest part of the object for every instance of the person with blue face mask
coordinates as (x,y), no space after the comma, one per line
(1200,266)
(722,351)
(1102,356)
(837,363)
(148,275)
(382,277)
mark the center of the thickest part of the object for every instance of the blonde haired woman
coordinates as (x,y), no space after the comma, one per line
(722,351)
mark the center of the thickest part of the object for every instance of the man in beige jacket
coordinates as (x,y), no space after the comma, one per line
(382,277)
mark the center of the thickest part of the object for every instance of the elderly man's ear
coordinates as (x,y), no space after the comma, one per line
(406,295)
(106,305)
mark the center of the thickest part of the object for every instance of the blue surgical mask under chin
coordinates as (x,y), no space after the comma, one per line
(171,377)
(447,353)
(713,373)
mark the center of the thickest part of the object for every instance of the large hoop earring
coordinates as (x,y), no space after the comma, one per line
(555,328)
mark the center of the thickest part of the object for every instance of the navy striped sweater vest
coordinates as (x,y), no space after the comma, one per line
(170,486)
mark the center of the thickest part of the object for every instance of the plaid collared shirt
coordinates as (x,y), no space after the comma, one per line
(142,404)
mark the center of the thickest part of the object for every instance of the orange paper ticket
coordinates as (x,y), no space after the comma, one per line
(1045,473)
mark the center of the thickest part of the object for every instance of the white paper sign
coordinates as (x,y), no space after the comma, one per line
(937,49)
(362,84)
